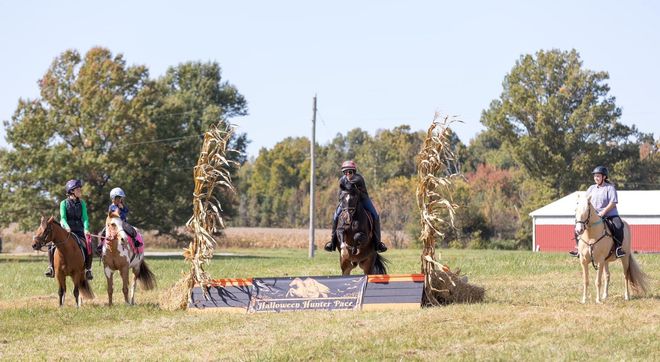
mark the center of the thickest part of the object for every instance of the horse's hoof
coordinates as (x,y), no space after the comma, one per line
(583,301)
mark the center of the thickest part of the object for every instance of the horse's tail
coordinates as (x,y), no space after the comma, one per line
(639,281)
(379,264)
(146,277)
(85,289)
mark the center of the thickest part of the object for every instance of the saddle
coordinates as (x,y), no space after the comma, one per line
(85,246)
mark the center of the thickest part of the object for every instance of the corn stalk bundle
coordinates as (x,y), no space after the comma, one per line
(211,173)
(436,168)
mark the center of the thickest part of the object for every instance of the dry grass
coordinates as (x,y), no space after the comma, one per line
(531,312)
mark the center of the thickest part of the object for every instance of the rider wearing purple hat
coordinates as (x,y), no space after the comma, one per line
(73,218)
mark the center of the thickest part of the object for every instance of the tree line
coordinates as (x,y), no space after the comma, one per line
(96,118)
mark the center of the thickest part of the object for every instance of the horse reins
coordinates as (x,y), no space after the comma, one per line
(591,245)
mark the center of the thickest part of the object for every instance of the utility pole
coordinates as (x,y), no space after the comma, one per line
(312,181)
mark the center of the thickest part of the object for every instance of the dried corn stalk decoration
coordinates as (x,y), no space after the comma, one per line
(436,168)
(211,173)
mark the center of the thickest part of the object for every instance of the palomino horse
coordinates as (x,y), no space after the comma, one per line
(595,245)
(118,254)
(355,234)
(69,260)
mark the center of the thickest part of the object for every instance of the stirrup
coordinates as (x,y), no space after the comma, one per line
(88,274)
(50,272)
(574,253)
(381,247)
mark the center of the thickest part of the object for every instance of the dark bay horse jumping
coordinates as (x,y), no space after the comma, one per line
(355,234)
(69,260)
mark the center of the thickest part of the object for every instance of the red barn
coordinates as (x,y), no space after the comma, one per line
(553,225)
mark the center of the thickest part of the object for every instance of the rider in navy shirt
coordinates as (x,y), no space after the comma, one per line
(118,209)
(353,179)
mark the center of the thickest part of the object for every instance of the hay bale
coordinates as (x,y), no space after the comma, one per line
(177,297)
(443,288)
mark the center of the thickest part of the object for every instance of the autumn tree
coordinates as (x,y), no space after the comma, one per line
(558,120)
(107,123)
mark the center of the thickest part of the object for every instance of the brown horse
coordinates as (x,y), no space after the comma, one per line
(69,260)
(355,234)
(595,246)
(119,255)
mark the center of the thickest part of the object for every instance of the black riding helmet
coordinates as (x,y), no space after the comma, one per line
(601,170)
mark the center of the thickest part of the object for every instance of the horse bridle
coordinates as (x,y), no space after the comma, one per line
(42,240)
(350,210)
(578,237)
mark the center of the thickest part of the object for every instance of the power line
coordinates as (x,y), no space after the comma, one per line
(159,140)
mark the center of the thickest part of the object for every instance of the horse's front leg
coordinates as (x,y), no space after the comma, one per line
(108,278)
(599,281)
(345,262)
(606,281)
(585,280)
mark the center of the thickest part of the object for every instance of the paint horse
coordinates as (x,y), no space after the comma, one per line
(69,259)
(596,246)
(355,233)
(120,254)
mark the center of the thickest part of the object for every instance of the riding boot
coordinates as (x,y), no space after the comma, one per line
(380,246)
(331,245)
(50,272)
(88,267)
(616,228)
(575,253)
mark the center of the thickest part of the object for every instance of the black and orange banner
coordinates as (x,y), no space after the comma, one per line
(354,292)
(306,293)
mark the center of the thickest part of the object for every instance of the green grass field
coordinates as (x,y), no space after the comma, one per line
(531,312)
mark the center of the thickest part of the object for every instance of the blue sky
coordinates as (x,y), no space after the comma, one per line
(373,64)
